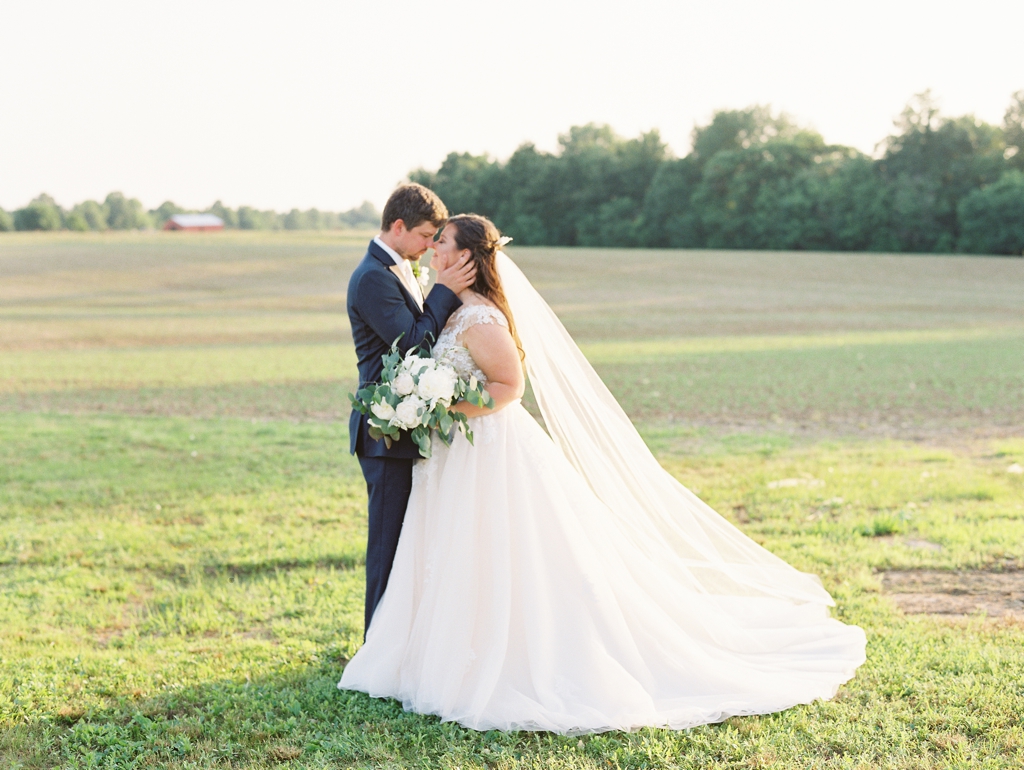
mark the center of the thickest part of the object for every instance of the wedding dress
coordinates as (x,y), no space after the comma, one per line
(566,582)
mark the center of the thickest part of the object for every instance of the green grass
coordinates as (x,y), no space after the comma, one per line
(181,527)
(906,381)
(167,609)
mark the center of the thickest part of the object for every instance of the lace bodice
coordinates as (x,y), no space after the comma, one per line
(448,347)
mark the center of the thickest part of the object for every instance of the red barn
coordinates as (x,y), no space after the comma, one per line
(197,223)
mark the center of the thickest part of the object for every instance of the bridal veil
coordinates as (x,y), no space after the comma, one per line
(680,533)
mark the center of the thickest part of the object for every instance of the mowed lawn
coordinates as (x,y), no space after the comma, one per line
(181,527)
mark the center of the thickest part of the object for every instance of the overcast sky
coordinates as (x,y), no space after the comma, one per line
(325,104)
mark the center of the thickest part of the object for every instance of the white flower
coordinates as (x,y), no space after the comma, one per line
(423,277)
(437,385)
(417,365)
(383,410)
(403,384)
(407,413)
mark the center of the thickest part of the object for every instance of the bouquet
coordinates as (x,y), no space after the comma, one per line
(415,394)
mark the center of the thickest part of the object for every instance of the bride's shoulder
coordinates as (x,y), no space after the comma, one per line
(480,310)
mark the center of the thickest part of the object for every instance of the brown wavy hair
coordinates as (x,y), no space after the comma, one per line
(414,204)
(480,236)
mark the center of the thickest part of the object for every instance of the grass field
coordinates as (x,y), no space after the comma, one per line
(181,528)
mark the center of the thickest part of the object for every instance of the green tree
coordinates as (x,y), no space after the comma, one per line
(992,217)
(42,213)
(363,215)
(524,209)
(595,167)
(75,222)
(732,130)
(251,219)
(125,213)
(614,223)
(748,198)
(163,212)
(466,183)
(228,216)
(317,220)
(672,215)
(294,220)
(93,214)
(1013,131)
(6,222)
(857,205)
(668,216)
(932,163)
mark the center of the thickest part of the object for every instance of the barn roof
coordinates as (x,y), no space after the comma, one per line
(197,220)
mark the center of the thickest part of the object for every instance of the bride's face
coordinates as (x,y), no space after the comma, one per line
(446,252)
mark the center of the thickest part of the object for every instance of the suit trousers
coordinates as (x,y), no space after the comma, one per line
(388,484)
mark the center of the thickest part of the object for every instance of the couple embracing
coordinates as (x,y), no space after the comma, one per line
(553,580)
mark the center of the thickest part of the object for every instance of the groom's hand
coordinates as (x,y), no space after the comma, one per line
(458,276)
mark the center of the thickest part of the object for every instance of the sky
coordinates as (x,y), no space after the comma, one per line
(325,104)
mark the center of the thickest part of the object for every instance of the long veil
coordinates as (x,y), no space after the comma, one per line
(680,534)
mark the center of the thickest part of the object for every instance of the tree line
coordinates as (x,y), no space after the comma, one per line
(117,212)
(755,179)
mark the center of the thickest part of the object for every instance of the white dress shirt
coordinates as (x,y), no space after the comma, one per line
(404,270)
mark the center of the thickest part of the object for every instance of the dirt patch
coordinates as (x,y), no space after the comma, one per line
(942,592)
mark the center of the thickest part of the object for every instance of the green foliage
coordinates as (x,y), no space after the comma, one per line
(294,220)
(95,215)
(120,213)
(753,180)
(992,217)
(163,212)
(43,213)
(932,164)
(668,218)
(228,216)
(364,215)
(125,213)
(1013,131)
(378,402)
(251,219)
(590,193)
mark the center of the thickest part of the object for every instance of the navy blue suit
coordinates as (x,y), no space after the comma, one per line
(380,309)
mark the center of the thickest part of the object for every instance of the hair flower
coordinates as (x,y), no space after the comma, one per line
(503,240)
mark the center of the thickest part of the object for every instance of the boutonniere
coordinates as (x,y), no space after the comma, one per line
(422,273)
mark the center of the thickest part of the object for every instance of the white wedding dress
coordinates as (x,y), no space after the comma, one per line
(568,583)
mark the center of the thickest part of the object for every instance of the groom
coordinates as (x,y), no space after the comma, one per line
(385,303)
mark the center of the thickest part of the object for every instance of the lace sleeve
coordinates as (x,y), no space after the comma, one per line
(474,315)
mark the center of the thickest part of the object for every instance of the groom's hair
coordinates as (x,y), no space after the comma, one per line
(414,204)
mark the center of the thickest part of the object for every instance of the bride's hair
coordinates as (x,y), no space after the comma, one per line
(480,236)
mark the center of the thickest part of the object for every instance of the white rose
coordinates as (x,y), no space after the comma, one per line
(407,413)
(383,410)
(418,365)
(437,385)
(403,384)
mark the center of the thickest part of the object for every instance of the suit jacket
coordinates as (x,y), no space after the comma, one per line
(380,309)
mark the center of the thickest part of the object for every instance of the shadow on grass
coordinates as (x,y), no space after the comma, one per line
(345,562)
(296,715)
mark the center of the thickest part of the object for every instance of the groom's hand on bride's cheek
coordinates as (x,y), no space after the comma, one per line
(458,276)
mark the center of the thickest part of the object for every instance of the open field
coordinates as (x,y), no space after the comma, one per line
(181,529)
(254,325)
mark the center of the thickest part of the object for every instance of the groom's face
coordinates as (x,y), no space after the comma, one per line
(411,244)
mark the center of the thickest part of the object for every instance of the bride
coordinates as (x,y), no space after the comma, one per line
(563,580)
